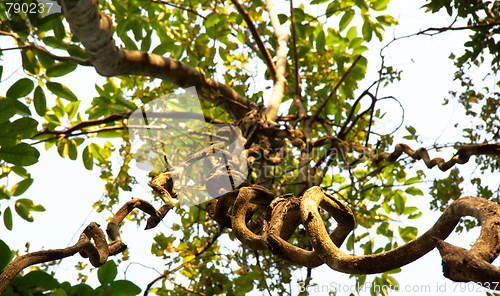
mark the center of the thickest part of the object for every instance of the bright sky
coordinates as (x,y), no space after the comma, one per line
(68,191)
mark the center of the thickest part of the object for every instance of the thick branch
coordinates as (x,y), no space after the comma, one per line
(94,29)
(279,86)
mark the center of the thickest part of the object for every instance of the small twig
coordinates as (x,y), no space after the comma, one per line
(120,117)
(442,30)
(343,133)
(296,96)
(26,45)
(179,7)
(265,53)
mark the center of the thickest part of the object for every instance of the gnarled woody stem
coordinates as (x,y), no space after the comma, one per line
(97,251)
(485,250)
(458,264)
(282,208)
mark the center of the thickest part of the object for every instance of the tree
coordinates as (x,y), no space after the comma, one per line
(276,179)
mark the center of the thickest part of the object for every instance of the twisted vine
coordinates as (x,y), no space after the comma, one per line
(91,244)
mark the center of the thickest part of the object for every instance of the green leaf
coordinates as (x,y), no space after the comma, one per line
(107,272)
(52,118)
(22,154)
(22,109)
(399,203)
(384,230)
(40,280)
(415,216)
(412,180)
(5,192)
(5,255)
(7,218)
(61,69)
(367,31)
(351,34)
(381,5)
(146,42)
(30,63)
(164,48)
(61,91)
(59,292)
(350,243)
(409,210)
(7,109)
(55,42)
(363,5)
(96,151)
(79,141)
(44,59)
(387,20)
(25,127)
(77,51)
(243,285)
(283,18)
(345,20)
(40,101)
(21,88)
(414,191)
(59,108)
(110,134)
(397,270)
(72,150)
(320,41)
(211,20)
(58,27)
(318,2)
(63,148)
(390,281)
(8,137)
(88,160)
(135,25)
(23,211)
(411,129)
(21,187)
(129,43)
(21,172)
(81,289)
(124,287)
(31,206)
(408,233)
(71,109)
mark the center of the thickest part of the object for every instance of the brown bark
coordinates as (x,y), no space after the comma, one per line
(94,29)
